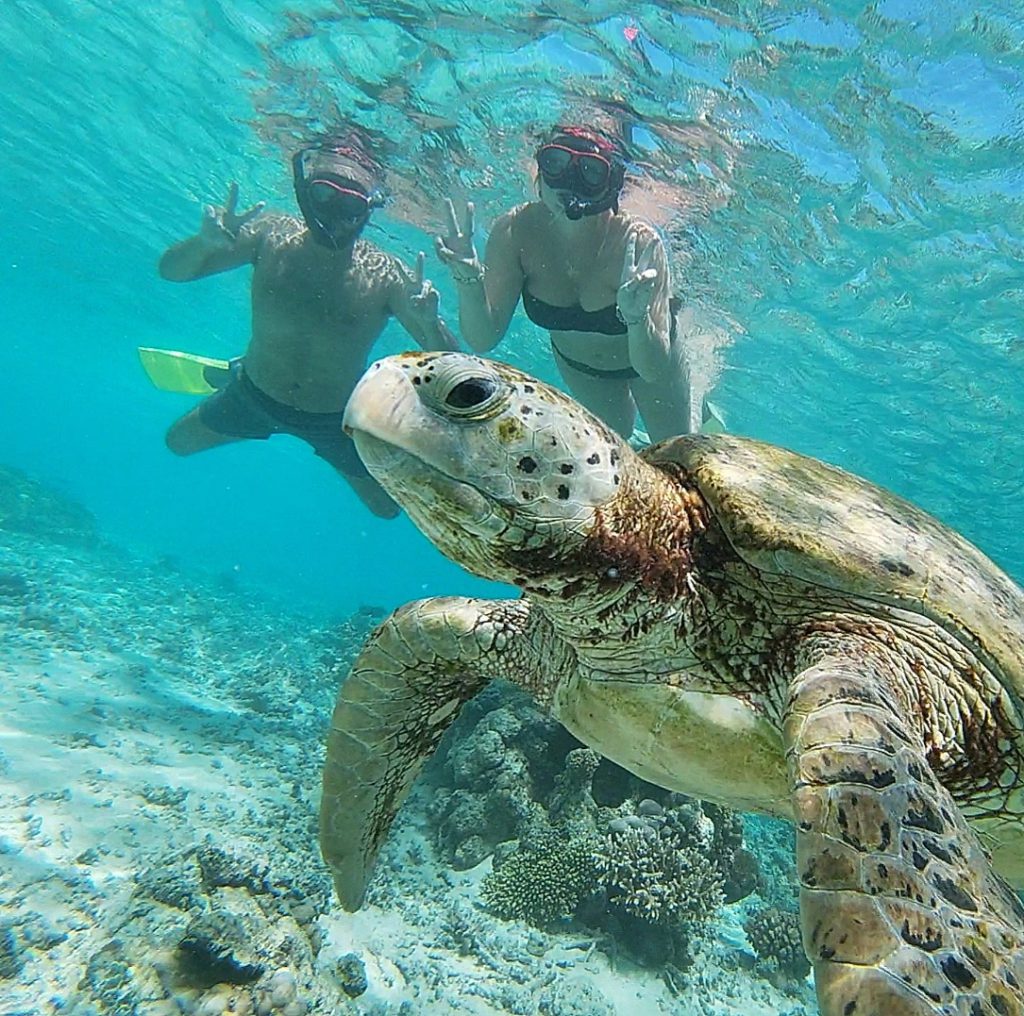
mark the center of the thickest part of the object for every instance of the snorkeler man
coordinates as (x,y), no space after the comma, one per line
(320,298)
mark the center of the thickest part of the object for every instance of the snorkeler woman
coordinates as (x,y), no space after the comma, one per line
(595,277)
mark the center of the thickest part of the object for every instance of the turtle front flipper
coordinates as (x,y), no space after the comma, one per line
(902,914)
(404,690)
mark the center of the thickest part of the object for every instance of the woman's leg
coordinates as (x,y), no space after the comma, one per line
(608,398)
(666,405)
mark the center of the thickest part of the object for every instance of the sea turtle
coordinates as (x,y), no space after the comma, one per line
(723,618)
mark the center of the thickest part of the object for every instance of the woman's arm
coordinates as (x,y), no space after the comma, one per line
(488,292)
(643,303)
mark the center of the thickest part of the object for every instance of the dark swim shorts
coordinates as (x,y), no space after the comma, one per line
(241,410)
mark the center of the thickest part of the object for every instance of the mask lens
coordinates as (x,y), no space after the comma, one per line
(337,202)
(594,171)
(553,162)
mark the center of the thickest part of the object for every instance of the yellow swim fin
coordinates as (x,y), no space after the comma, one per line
(173,371)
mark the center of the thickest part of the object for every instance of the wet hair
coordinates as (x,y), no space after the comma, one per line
(348,148)
(605,144)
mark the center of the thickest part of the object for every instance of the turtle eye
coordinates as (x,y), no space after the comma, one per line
(471,393)
(465,391)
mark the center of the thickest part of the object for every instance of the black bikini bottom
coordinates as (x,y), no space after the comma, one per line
(623,374)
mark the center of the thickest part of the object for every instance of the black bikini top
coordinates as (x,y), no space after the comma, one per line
(605,321)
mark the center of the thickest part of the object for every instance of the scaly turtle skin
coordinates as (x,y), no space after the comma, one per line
(726,619)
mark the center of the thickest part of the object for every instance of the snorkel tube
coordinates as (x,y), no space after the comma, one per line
(576,207)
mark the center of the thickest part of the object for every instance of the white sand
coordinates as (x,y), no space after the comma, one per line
(144,717)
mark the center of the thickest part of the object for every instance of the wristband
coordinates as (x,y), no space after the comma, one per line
(467,273)
(636,321)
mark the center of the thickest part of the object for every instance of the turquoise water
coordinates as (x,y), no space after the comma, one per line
(844,183)
(840,185)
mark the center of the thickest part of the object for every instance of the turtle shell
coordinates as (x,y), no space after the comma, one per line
(790,514)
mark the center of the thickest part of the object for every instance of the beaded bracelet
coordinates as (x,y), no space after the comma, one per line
(479,271)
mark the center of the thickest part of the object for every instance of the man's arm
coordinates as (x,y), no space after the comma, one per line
(225,240)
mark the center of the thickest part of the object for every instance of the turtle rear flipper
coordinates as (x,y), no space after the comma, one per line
(902,914)
(406,687)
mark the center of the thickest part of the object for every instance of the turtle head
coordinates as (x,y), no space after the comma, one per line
(503,473)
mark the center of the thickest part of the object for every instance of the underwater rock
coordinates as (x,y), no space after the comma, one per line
(572,803)
(12,960)
(773,841)
(220,869)
(352,975)
(742,876)
(490,796)
(39,932)
(224,999)
(14,586)
(30,507)
(175,882)
(280,995)
(108,981)
(164,797)
(216,948)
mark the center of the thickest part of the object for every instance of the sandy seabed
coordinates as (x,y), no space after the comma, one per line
(160,751)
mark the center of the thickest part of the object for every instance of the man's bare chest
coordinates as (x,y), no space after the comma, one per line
(302,288)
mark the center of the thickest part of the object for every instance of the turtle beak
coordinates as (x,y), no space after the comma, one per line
(387,421)
(403,447)
(381,404)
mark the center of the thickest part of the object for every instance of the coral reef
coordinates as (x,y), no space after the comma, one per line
(170,838)
(657,867)
(661,878)
(543,881)
(774,935)
(574,837)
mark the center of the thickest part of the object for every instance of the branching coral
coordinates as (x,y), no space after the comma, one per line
(542,882)
(774,935)
(653,873)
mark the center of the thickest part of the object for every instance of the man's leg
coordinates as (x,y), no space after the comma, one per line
(333,445)
(230,414)
(190,435)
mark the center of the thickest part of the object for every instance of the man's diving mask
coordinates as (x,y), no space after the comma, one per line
(335,195)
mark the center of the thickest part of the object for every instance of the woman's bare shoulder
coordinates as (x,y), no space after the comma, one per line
(635,226)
